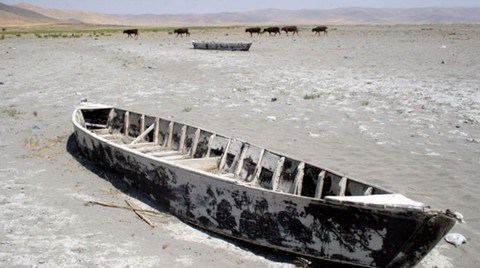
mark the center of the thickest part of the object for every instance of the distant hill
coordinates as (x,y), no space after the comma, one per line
(24,14)
(74,15)
(12,15)
(310,17)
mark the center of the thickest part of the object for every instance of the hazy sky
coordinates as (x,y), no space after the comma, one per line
(214,6)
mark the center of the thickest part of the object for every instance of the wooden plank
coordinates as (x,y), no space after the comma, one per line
(343,186)
(297,184)
(277,173)
(246,146)
(320,182)
(145,133)
(126,123)
(109,135)
(168,141)
(228,175)
(139,145)
(101,131)
(205,164)
(142,123)
(153,148)
(238,154)
(258,167)
(210,142)
(112,137)
(164,153)
(235,150)
(176,157)
(95,125)
(183,136)
(111,114)
(156,131)
(224,155)
(196,138)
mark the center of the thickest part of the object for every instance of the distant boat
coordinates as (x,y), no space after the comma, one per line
(222,46)
(234,188)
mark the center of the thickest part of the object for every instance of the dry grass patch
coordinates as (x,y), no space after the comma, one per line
(11,112)
(46,148)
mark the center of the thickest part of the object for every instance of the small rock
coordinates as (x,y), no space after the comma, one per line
(273,99)
(459,217)
(455,239)
(270,118)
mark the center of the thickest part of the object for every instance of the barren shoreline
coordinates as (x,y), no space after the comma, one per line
(395,105)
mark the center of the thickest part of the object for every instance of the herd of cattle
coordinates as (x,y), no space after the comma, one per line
(276,30)
(270,30)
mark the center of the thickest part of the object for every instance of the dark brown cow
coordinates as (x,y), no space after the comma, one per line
(131,32)
(182,31)
(293,29)
(320,29)
(253,30)
(271,30)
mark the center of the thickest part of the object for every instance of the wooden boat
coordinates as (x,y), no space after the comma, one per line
(222,46)
(247,192)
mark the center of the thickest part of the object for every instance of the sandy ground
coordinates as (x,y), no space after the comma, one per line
(398,106)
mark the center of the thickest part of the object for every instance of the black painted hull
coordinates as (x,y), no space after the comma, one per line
(359,235)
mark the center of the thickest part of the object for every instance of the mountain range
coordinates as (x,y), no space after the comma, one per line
(27,15)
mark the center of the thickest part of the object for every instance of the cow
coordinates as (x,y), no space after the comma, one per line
(320,29)
(293,29)
(181,31)
(253,30)
(271,30)
(131,32)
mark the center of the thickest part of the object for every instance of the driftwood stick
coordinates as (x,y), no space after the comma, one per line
(128,208)
(144,218)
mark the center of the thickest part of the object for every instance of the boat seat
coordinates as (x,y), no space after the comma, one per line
(109,136)
(150,149)
(140,145)
(95,126)
(164,153)
(209,164)
(180,156)
(102,131)
(113,138)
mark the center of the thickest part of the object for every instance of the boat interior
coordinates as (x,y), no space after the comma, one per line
(229,158)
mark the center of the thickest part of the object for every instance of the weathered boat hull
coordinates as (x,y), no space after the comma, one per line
(370,236)
(222,46)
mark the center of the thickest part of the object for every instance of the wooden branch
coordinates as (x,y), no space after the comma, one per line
(127,208)
(144,218)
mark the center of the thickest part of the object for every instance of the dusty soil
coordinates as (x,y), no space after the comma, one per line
(398,106)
